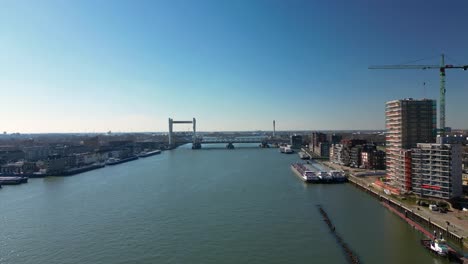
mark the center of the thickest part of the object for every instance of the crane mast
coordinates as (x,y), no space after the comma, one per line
(442,97)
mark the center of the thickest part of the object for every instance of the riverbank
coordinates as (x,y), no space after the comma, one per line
(455,221)
(15,179)
(427,223)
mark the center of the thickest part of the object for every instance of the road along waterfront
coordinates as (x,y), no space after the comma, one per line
(206,206)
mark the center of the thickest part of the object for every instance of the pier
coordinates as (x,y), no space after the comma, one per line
(351,256)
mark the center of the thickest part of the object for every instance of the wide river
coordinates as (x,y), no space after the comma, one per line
(198,206)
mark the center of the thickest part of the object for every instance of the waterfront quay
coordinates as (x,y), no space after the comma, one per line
(432,224)
(454,220)
(419,222)
(455,233)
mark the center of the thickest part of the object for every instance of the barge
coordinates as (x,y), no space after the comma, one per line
(286,149)
(145,154)
(310,175)
(115,161)
(82,169)
(13,180)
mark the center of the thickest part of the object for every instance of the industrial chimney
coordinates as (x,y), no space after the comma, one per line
(274,128)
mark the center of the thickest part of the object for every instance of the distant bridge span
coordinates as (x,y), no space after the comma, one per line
(263,140)
(198,140)
(214,140)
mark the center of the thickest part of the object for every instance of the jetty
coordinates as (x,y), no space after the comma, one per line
(351,256)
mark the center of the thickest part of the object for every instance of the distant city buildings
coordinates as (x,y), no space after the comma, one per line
(11,155)
(357,153)
(319,144)
(334,138)
(373,159)
(296,141)
(36,153)
(58,153)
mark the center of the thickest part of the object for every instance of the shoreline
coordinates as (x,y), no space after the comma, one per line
(427,222)
(77,170)
(409,214)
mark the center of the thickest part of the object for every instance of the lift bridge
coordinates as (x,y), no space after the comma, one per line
(198,140)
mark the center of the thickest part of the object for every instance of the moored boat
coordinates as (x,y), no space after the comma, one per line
(308,174)
(338,176)
(145,154)
(436,245)
(286,149)
(115,161)
(5,180)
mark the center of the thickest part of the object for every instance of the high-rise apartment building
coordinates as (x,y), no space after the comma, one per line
(437,170)
(408,122)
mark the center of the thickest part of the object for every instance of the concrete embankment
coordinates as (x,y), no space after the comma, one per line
(410,214)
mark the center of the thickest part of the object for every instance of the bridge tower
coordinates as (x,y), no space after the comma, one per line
(171,129)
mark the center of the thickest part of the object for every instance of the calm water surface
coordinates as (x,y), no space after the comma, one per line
(197,206)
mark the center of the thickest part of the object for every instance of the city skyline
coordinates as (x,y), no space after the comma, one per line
(235,66)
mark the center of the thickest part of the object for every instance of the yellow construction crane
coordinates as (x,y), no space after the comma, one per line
(442,67)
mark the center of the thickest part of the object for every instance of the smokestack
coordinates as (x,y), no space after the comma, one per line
(274,128)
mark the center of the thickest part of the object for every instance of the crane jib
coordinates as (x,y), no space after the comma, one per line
(442,66)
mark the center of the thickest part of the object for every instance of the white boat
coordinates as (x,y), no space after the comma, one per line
(112,161)
(286,149)
(439,246)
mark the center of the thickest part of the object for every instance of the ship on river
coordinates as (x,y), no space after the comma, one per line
(115,161)
(145,154)
(309,174)
(286,149)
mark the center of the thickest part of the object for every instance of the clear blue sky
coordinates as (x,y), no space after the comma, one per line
(83,66)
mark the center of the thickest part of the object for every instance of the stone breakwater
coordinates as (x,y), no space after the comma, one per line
(351,256)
